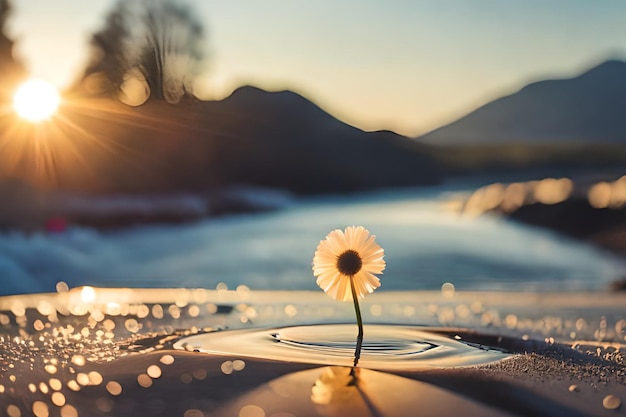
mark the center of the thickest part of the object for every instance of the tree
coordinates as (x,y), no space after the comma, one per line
(171,57)
(109,57)
(11,71)
(156,42)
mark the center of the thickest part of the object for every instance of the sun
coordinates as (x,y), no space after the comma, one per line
(36,100)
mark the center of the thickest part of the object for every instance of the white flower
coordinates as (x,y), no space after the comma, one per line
(345,255)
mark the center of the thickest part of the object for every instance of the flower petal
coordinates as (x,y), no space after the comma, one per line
(333,244)
(373,256)
(359,286)
(375,266)
(362,236)
(344,293)
(323,259)
(338,287)
(317,270)
(372,280)
(358,235)
(327,280)
(370,247)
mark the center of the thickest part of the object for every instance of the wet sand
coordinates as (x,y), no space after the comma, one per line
(195,385)
(103,359)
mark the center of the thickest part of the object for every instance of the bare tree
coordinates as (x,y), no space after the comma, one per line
(109,56)
(171,56)
(158,41)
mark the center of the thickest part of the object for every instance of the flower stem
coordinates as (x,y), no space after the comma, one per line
(359,320)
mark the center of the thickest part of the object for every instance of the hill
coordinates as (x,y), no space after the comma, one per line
(588,108)
(253,137)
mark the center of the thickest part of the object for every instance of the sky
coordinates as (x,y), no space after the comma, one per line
(405,65)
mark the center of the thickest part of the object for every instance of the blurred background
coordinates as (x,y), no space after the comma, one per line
(171,143)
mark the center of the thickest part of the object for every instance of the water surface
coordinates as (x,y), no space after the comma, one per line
(426,243)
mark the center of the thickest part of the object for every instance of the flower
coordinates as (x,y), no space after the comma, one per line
(348,255)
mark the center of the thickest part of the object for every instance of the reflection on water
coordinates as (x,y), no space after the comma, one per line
(511,197)
(333,392)
(385,347)
(336,384)
(606,194)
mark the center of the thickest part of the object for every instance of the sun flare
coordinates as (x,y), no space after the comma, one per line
(36,100)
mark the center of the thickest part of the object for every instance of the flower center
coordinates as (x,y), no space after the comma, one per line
(349,262)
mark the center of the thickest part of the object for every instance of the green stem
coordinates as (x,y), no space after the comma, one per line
(359,320)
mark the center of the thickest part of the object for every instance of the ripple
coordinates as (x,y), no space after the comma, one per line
(385,347)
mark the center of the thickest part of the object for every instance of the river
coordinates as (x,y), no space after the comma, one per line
(426,242)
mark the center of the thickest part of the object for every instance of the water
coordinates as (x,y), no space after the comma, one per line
(248,352)
(384,347)
(426,244)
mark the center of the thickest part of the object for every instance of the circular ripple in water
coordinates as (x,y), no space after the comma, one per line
(385,347)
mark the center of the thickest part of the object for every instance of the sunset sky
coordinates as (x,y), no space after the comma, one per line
(405,65)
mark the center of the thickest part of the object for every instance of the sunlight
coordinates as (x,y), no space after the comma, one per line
(36,100)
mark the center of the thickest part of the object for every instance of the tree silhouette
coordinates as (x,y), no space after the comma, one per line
(156,42)
(109,61)
(11,71)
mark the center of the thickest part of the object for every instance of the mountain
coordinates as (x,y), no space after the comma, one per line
(253,137)
(289,142)
(586,108)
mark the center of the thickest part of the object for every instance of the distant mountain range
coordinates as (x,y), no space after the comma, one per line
(588,108)
(282,140)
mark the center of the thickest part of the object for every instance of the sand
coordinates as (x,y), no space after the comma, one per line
(201,385)
(113,360)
